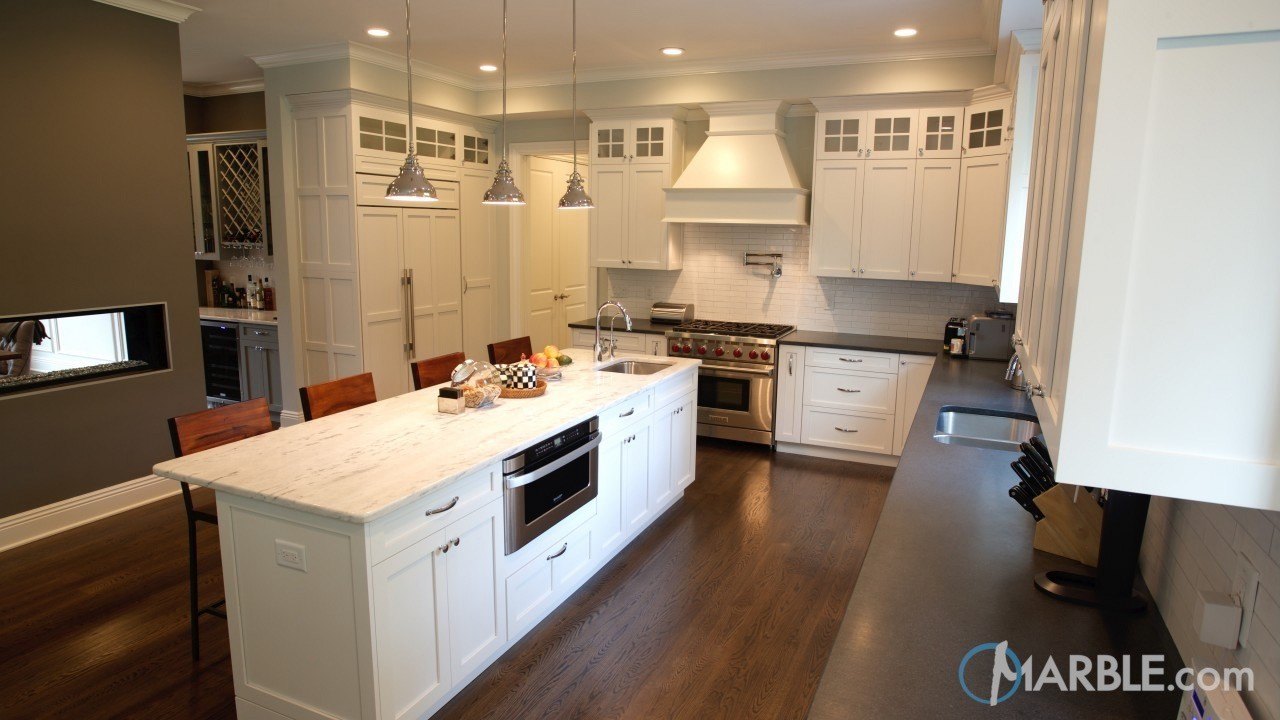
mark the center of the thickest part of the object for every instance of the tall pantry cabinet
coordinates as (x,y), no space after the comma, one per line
(385,283)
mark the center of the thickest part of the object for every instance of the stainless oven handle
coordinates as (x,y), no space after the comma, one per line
(514,481)
(721,371)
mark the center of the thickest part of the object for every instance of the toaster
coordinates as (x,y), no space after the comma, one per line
(668,313)
(990,337)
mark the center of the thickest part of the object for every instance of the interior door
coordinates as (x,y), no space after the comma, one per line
(433,254)
(478,268)
(885,253)
(382,299)
(541,289)
(572,268)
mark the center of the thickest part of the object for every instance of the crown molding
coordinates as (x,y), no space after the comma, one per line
(163,9)
(363,53)
(330,99)
(892,101)
(233,87)
(1029,39)
(991,92)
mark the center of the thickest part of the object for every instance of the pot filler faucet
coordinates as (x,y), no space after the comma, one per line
(599,349)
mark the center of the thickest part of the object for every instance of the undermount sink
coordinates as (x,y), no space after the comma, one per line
(977,427)
(633,367)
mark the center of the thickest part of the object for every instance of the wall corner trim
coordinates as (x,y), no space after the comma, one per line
(42,522)
(163,9)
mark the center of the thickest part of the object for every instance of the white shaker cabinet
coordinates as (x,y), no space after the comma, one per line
(979,246)
(933,221)
(913,375)
(891,134)
(987,128)
(788,408)
(477,618)
(410,601)
(835,226)
(840,135)
(938,133)
(884,252)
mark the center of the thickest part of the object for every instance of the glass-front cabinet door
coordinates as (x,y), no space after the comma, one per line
(436,144)
(651,141)
(381,135)
(204,225)
(938,133)
(891,134)
(841,135)
(476,151)
(609,143)
(987,128)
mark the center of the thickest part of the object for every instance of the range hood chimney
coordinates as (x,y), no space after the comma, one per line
(742,174)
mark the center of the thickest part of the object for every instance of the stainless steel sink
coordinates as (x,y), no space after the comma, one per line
(977,427)
(634,367)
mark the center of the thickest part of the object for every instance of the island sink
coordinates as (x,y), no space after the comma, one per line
(634,367)
(991,429)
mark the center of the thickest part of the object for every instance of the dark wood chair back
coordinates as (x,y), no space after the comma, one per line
(509,351)
(210,428)
(336,396)
(436,370)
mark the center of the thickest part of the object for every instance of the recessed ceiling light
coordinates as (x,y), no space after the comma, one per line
(905,32)
(378,32)
(672,51)
(489,68)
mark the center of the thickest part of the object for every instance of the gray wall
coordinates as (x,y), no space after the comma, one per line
(226,113)
(94,212)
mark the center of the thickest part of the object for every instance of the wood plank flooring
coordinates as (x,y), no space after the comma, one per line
(725,607)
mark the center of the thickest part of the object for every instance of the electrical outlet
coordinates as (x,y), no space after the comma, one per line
(291,555)
(1245,585)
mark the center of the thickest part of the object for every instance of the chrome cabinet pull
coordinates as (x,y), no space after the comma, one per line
(628,413)
(791,364)
(848,390)
(260,333)
(443,508)
(845,430)
(852,360)
(413,332)
(563,549)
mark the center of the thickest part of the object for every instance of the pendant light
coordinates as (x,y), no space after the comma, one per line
(504,190)
(410,184)
(575,197)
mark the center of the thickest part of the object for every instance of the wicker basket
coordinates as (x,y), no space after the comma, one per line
(524,393)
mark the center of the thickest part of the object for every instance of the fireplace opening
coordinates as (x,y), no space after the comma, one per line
(65,348)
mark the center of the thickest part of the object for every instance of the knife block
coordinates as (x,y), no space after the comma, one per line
(1070,528)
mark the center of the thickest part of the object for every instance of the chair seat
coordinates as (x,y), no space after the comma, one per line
(205,513)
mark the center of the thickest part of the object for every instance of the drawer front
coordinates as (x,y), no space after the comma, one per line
(259,333)
(849,431)
(584,338)
(852,360)
(624,413)
(397,531)
(572,558)
(631,342)
(372,190)
(389,168)
(675,389)
(850,390)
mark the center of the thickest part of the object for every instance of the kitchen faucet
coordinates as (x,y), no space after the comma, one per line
(1013,374)
(599,349)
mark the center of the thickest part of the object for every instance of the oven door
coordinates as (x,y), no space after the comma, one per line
(736,397)
(535,499)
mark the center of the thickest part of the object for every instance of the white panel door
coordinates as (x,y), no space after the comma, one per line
(790,393)
(609,223)
(478,266)
(410,623)
(477,616)
(610,529)
(885,250)
(636,510)
(573,271)
(433,254)
(647,240)
(684,437)
(933,223)
(984,183)
(913,375)
(540,284)
(382,299)
(837,217)
(661,438)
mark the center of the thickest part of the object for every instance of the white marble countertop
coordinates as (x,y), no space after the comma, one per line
(238,315)
(361,464)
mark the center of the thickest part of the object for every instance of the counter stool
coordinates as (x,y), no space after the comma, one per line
(510,351)
(198,431)
(335,396)
(436,370)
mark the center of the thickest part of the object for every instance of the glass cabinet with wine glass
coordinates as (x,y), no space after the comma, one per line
(230,197)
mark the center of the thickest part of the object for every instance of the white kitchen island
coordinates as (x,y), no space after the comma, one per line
(342,600)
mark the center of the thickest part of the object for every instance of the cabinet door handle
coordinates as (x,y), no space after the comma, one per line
(791,364)
(852,360)
(465,285)
(443,508)
(260,333)
(848,390)
(563,549)
(845,430)
(628,413)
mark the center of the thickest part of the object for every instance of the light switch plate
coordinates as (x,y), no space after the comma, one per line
(1246,586)
(291,555)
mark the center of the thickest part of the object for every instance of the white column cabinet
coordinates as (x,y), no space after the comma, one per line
(787,412)
(979,248)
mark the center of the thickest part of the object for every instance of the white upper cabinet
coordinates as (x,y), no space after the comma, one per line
(840,135)
(891,134)
(979,247)
(609,142)
(885,250)
(988,127)
(938,133)
(835,226)
(933,223)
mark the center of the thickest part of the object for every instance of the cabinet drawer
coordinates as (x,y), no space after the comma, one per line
(397,531)
(850,390)
(852,360)
(372,190)
(584,338)
(626,412)
(848,430)
(675,389)
(571,558)
(390,167)
(259,333)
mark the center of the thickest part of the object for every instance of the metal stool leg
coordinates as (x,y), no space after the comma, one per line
(195,601)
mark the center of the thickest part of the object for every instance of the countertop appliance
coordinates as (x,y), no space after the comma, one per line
(545,483)
(736,378)
(220,342)
(668,313)
(990,337)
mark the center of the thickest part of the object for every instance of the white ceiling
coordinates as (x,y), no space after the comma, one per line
(614,36)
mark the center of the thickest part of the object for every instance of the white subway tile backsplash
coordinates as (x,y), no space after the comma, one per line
(722,288)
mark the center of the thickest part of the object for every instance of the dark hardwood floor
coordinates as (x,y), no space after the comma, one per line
(725,607)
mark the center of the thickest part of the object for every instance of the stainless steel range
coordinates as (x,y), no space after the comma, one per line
(737,376)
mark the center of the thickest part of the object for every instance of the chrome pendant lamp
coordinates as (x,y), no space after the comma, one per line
(410,184)
(575,197)
(504,190)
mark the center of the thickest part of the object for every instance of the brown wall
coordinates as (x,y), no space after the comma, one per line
(226,113)
(94,212)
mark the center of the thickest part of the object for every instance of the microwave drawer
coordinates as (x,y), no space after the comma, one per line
(852,360)
(866,432)
(850,390)
(399,530)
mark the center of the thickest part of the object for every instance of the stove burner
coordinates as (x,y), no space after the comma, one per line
(740,329)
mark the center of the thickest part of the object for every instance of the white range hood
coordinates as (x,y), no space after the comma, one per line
(742,174)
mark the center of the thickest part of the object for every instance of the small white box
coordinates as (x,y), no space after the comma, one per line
(1217,619)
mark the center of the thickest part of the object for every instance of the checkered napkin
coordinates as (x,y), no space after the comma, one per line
(518,375)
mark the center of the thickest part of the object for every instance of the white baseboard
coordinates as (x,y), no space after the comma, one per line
(838,454)
(73,512)
(290,417)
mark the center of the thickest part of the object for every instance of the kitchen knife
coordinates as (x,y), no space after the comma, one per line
(1015,492)
(1028,477)
(1036,464)
(1039,445)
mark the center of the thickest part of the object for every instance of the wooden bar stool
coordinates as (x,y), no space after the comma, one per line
(335,396)
(200,431)
(436,370)
(509,351)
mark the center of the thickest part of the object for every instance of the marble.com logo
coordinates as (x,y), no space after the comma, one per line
(1005,667)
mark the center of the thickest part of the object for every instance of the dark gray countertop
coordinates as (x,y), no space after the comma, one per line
(872,343)
(640,325)
(950,566)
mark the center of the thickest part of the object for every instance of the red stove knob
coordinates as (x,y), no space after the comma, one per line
(687,348)
(764,355)
(737,352)
(719,351)
(702,349)
(675,347)
(753,354)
